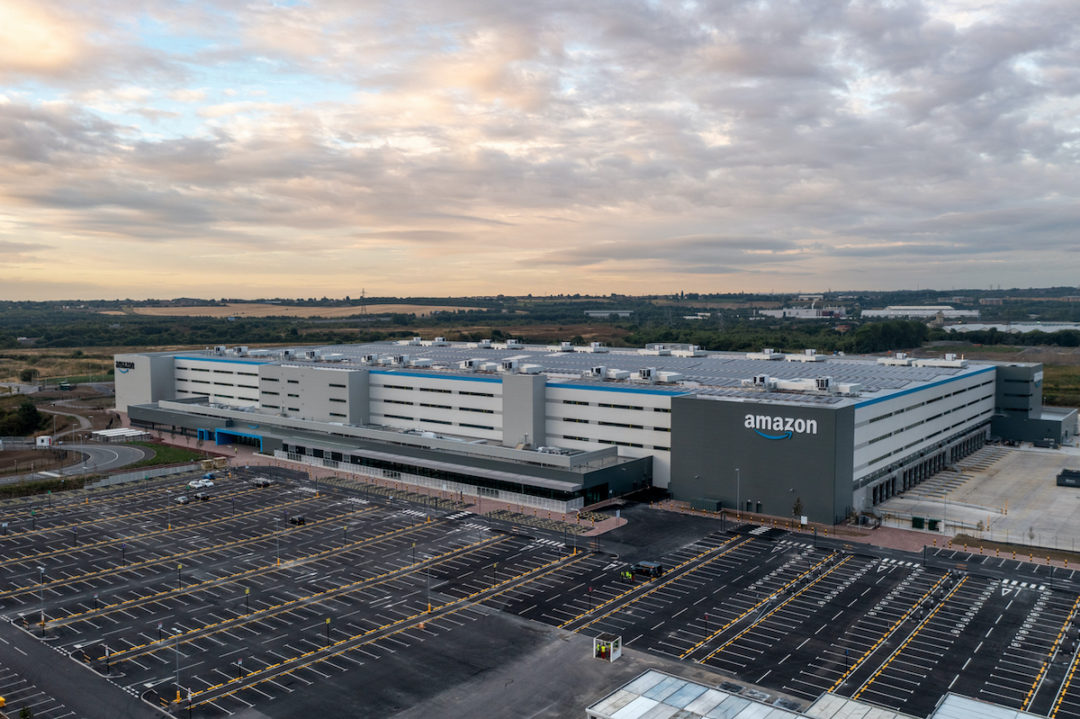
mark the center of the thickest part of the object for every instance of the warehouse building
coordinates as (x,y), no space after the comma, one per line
(562,427)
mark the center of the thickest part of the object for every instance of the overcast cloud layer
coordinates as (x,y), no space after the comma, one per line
(483,146)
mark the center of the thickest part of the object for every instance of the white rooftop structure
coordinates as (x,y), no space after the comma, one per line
(657,695)
(896,311)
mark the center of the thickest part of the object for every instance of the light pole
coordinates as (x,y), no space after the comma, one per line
(177,647)
(277,539)
(738,493)
(41,596)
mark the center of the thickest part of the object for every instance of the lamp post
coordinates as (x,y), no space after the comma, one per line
(738,493)
(277,539)
(177,647)
(41,596)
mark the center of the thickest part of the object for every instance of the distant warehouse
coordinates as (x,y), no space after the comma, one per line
(919,311)
(562,427)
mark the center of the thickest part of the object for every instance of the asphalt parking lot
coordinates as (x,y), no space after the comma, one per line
(373,605)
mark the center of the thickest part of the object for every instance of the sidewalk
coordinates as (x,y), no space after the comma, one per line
(245,455)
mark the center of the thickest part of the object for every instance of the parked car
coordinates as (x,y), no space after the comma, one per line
(297,519)
(201,496)
(648,569)
(182,499)
(261,482)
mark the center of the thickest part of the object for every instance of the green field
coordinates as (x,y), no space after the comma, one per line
(166,455)
(1061,385)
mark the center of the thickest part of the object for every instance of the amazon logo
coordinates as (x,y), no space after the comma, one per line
(777,427)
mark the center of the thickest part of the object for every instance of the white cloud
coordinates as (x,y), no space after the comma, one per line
(531,147)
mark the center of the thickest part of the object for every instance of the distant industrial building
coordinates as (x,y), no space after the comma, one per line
(564,426)
(920,311)
(806,313)
(604,314)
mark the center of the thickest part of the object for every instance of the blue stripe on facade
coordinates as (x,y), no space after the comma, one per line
(433,376)
(912,390)
(627,390)
(214,359)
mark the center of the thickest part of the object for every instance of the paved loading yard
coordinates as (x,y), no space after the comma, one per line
(372,605)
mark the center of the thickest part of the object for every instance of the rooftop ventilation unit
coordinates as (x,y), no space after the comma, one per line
(900,359)
(949,360)
(472,363)
(369,359)
(508,365)
(440,342)
(647,373)
(514,344)
(655,350)
(530,369)
(489,366)
(808,355)
(219,349)
(766,354)
(670,376)
(823,384)
(689,351)
(420,362)
(760,381)
(618,374)
(597,371)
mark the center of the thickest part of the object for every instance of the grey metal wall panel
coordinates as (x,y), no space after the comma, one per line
(524,409)
(783,454)
(359,397)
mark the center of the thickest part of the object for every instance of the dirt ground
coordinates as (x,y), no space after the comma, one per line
(23,461)
(257,309)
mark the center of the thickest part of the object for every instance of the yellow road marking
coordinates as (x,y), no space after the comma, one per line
(888,632)
(910,638)
(638,587)
(767,598)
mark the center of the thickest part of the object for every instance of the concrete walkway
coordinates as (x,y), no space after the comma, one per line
(246,455)
(68,681)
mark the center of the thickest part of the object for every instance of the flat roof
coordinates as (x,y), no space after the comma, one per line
(715,374)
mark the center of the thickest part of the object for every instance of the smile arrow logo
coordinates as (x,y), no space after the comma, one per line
(785,435)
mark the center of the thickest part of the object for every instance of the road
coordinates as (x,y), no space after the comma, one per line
(77,687)
(97,458)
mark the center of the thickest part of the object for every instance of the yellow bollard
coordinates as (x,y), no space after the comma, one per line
(996,552)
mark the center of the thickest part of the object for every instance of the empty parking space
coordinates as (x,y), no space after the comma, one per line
(261,593)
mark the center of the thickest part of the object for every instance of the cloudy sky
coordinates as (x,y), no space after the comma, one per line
(249,148)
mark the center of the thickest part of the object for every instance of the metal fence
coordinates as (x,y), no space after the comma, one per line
(145,474)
